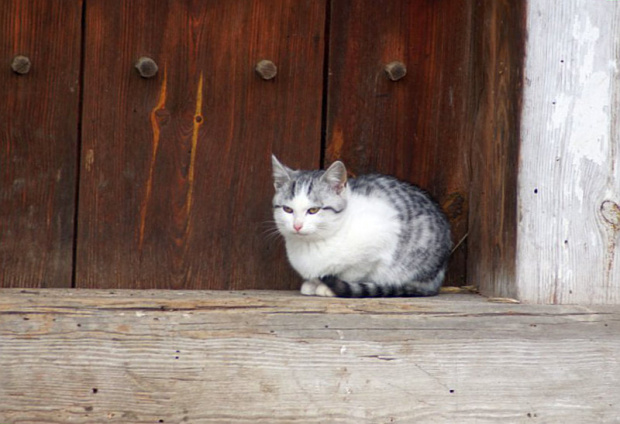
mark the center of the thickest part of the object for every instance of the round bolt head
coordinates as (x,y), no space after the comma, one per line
(395,70)
(21,65)
(266,69)
(147,68)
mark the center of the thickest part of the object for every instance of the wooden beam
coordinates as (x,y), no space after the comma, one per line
(569,181)
(499,46)
(277,357)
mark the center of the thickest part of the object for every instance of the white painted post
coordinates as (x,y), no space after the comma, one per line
(569,176)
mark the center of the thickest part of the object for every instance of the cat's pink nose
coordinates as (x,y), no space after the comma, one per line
(297,226)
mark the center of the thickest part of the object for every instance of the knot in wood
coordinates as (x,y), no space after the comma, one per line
(266,69)
(611,213)
(395,70)
(21,65)
(147,68)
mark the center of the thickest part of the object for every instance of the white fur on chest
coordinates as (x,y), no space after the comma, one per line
(362,246)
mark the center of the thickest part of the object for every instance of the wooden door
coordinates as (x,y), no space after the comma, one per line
(174,182)
(420,127)
(175,169)
(38,140)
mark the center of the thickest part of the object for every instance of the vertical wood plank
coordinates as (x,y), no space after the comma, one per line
(499,42)
(569,182)
(420,127)
(176,185)
(38,141)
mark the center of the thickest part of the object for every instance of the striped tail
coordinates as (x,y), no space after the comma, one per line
(369,289)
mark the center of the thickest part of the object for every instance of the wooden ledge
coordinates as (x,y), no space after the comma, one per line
(86,356)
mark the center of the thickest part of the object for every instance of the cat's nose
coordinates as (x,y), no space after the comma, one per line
(297,226)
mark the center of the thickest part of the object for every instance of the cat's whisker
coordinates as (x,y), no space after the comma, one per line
(270,232)
(272,235)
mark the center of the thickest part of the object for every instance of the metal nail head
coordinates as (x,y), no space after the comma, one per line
(147,68)
(21,65)
(395,70)
(266,69)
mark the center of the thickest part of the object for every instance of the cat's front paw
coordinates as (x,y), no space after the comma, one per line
(315,287)
(308,288)
(323,290)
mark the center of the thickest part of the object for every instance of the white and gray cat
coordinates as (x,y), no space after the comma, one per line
(369,236)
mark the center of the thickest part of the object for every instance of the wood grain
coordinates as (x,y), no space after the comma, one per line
(418,128)
(569,182)
(499,55)
(38,141)
(176,188)
(276,357)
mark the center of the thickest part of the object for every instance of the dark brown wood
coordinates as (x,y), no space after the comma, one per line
(499,53)
(38,140)
(418,128)
(176,178)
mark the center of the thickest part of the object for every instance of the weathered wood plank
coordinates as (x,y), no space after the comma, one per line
(276,357)
(418,128)
(499,54)
(176,178)
(569,182)
(38,141)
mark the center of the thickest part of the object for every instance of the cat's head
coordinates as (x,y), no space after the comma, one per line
(309,204)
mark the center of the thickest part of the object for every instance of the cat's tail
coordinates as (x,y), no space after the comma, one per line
(370,289)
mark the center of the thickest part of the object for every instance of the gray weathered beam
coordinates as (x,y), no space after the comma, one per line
(276,357)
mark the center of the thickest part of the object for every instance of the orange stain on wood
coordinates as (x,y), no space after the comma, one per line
(161,105)
(334,149)
(198,121)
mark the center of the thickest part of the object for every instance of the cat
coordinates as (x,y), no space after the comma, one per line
(370,236)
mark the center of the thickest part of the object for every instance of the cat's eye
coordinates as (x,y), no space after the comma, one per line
(312,211)
(287,209)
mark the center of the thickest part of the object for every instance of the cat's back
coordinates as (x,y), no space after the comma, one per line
(408,199)
(424,231)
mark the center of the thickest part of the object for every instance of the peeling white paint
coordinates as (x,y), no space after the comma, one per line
(563,106)
(589,132)
(571,69)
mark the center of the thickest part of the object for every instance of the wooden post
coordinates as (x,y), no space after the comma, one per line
(499,48)
(569,182)
(550,234)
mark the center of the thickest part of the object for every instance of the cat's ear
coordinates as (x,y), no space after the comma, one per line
(336,176)
(281,173)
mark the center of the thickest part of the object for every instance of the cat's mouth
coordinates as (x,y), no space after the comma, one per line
(301,234)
